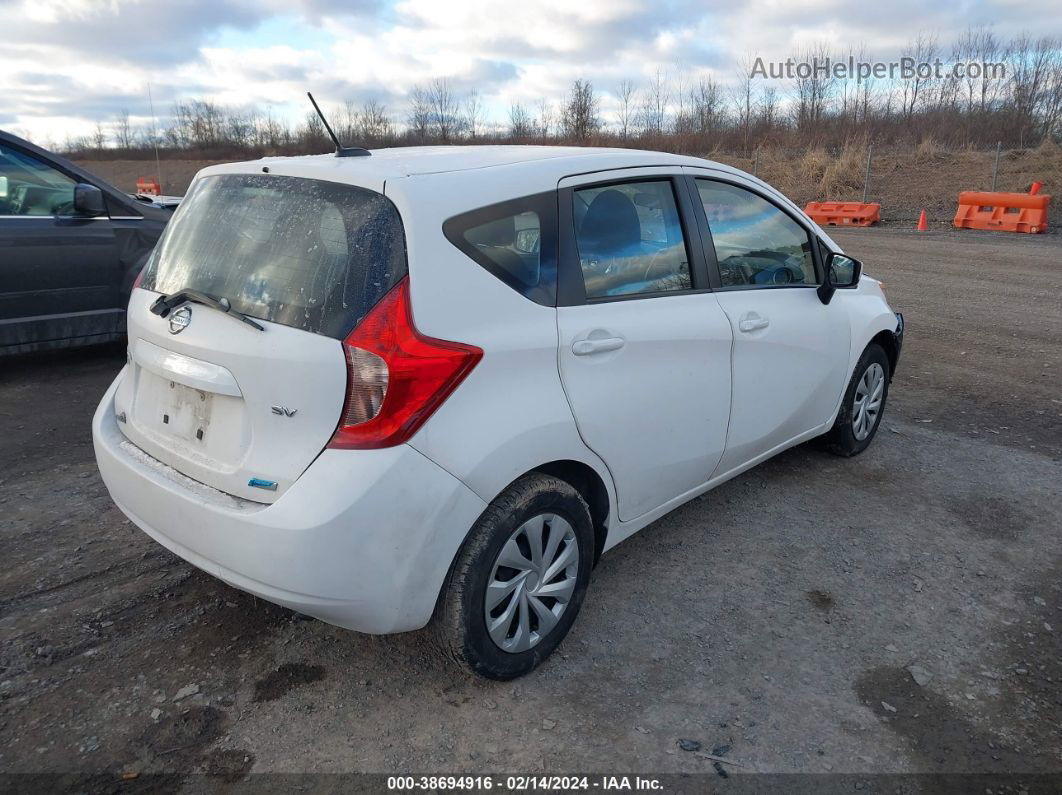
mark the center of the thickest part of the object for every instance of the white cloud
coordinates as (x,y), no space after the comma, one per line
(68,64)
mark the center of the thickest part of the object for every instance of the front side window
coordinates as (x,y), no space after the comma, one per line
(305,253)
(30,187)
(514,240)
(630,239)
(756,244)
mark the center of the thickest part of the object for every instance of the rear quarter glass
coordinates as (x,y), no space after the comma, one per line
(305,253)
(515,240)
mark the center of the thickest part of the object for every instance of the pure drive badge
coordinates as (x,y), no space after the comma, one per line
(180,319)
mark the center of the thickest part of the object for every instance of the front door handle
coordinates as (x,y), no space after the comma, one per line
(589,346)
(753,322)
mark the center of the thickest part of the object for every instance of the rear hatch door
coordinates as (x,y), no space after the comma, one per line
(244,410)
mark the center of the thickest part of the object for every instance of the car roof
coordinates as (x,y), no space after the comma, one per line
(418,160)
(547,162)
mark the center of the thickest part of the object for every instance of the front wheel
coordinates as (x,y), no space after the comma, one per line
(863,404)
(519,579)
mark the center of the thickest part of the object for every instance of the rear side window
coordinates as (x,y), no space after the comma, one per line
(630,239)
(516,241)
(301,252)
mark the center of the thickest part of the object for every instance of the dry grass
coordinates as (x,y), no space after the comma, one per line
(905,182)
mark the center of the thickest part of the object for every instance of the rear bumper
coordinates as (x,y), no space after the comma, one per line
(363,540)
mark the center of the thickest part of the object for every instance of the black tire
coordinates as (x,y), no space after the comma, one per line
(841,439)
(459,625)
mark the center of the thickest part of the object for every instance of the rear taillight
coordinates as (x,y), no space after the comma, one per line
(396,377)
(139,277)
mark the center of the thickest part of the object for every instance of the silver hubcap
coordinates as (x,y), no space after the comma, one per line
(531,583)
(867,403)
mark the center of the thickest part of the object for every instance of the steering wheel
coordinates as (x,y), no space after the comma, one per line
(782,275)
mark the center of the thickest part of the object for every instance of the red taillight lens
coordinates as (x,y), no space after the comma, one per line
(139,278)
(396,377)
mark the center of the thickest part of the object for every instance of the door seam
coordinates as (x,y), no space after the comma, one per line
(575,419)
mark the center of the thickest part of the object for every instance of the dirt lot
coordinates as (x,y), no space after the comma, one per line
(772,621)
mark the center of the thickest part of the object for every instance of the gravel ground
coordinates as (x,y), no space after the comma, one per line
(899,612)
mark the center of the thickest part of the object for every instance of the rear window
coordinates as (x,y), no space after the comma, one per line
(301,252)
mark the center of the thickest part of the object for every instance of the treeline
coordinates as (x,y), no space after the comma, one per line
(1015,98)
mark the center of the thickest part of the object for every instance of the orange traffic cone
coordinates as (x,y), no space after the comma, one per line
(1035,189)
(922,225)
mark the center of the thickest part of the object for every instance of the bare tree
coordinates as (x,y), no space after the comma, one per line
(444,109)
(706,106)
(813,86)
(655,100)
(521,125)
(921,51)
(347,122)
(1051,106)
(99,137)
(580,115)
(545,118)
(313,133)
(374,125)
(741,96)
(1031,65)
(419,113)
(272,134)
(767,108)
(473,112)
(625,111)
(866,91)
(239,129)
(123,131)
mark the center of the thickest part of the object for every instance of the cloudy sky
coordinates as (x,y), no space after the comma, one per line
(66,64)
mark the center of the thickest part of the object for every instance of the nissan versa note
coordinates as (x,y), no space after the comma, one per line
(433,385)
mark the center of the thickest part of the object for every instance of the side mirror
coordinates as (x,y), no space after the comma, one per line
(88,200)
(841,271)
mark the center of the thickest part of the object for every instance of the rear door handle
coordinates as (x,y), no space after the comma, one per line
(587,347)
(753,322)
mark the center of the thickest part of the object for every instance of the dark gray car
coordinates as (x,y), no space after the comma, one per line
(70,247)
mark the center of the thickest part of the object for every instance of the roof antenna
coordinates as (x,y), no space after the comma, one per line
(341,151)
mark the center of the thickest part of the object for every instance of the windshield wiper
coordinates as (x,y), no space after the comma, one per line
(164,304)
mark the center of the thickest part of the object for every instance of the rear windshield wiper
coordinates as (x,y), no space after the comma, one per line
(165,303)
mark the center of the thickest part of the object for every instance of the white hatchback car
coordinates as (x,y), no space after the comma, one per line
(435,384)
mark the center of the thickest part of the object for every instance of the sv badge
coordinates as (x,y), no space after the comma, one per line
(284,411)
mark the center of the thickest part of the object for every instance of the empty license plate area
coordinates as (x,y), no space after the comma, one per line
(174,409)
(196,424)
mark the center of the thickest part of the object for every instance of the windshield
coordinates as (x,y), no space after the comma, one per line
(302,252)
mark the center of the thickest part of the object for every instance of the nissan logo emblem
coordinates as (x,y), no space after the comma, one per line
(180,319)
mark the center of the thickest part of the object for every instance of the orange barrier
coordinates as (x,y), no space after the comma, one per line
(149,186)
(844,213)
(1008,212)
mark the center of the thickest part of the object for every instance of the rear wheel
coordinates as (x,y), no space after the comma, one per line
(863,405)
(519,579)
